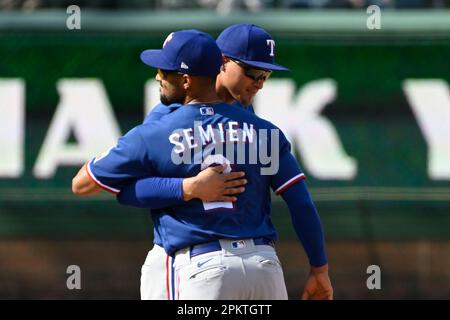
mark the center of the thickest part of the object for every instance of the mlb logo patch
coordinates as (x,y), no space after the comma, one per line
(207,111)
(238,244)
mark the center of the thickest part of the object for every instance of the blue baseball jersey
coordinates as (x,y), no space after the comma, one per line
(160,190)
(156,147)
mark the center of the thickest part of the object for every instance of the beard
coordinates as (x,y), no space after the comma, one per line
(168,101)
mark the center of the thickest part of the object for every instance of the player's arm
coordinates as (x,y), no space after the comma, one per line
(84,183)
(289,183)
(308,228)
(115,168)
(156,192)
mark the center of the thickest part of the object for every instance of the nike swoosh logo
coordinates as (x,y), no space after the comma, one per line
(201,263)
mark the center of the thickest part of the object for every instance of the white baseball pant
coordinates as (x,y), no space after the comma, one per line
(155,273)
(241,270)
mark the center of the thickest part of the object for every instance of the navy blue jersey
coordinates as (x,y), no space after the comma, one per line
(153,149)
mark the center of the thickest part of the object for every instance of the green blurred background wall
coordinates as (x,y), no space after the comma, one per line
(391,213)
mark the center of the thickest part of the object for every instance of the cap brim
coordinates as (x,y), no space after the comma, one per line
(265,65)
(155,59)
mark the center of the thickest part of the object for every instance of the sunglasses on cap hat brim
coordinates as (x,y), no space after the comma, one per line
(253,73)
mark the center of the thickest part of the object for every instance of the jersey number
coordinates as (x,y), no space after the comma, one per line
(209,161)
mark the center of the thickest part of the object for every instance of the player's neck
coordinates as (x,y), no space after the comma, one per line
(204,98)
(224,94)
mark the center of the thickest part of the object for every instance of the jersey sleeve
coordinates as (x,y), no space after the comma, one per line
(306,222)
(119,165)
(152,193)
(289,171)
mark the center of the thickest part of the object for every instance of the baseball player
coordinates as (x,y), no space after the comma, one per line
(233,241)
(238,82)
(233,85)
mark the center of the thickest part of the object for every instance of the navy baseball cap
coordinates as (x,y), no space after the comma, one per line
(250,44)
(187,51)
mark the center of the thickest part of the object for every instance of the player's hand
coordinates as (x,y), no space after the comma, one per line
(318,286)
(211,185)
(82,185)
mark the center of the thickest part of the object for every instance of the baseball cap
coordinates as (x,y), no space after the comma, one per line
(250,44)
(187,51)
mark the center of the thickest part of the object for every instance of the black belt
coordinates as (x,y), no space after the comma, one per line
(211,246)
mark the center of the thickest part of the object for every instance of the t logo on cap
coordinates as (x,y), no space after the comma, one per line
(271,44)
(248,44)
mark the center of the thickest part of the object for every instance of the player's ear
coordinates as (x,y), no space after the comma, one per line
(225,60)
(187,81)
